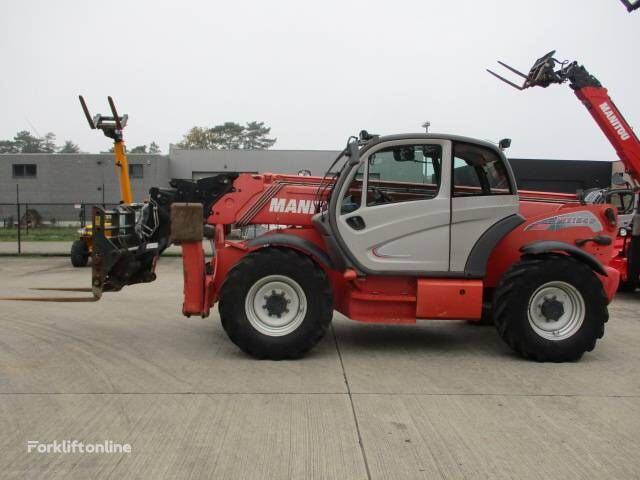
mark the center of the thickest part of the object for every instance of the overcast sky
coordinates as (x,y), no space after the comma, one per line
(316,72)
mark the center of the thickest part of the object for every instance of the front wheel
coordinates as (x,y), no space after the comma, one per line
(276,303)
(79,253)
(550,308)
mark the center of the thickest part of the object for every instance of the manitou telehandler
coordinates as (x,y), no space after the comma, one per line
(402,227)
(112,127)
(591,93)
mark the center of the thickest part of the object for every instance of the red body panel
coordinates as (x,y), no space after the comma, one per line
(269,199)
(610,282)
(194,276)
(507,251)
(447,298)
(619,257)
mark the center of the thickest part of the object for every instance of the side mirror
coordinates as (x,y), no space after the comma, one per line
(504,143)
(618,179)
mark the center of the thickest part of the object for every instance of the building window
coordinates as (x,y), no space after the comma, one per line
(25,170)
(136,170)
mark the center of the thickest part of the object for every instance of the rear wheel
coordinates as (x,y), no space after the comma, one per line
(79,253)
(276,303)
(550,308)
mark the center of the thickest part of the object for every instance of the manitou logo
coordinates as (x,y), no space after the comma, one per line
(282,205)
(614,121)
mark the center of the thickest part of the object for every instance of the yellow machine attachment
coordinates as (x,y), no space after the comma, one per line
(112,127)
(83,248)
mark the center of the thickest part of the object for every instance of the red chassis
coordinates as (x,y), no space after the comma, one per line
(289,200)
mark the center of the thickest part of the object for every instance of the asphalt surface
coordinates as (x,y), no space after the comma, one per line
(434,400)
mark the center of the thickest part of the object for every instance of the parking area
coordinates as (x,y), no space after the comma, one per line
(432,400)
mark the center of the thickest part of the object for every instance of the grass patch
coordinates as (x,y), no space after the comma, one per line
(40,234)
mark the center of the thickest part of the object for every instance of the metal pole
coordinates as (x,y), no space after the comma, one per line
(27,218)
(18,206)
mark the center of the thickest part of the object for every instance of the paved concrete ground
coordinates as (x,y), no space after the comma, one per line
(53,248)
(435,400)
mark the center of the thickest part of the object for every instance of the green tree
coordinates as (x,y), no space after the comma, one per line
(195,139)
(27,143)
(256,137)
(9,146)
(139,149)
(154,148)
(48,143)
(228,136)
(69,147)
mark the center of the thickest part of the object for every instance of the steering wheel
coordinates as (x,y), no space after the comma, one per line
(380,197)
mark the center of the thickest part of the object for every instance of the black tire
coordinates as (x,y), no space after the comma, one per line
(249,272)
(79,253)
(519,286)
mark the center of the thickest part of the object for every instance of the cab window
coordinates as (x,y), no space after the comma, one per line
(403,173)
(478,171)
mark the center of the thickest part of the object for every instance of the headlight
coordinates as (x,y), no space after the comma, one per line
(623,232)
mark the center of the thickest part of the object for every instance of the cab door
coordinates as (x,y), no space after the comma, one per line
(483,193)
(396,208)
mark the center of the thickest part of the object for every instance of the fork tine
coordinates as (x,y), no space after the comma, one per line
(508,82)
(513,70)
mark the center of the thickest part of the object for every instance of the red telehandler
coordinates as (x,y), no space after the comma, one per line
(402,227)
(548,71)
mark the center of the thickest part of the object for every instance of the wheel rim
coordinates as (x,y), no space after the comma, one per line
(556,310)
(276,305)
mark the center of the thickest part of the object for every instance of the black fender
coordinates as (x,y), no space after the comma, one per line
(295,242)
(476,265)
(547,246)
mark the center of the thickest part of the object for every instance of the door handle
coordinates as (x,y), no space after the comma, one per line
(357,223)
